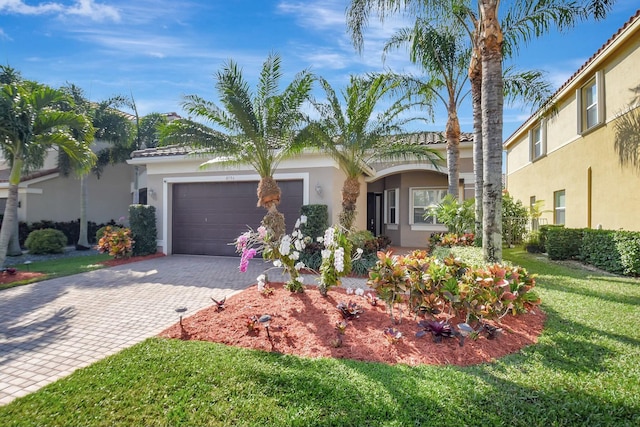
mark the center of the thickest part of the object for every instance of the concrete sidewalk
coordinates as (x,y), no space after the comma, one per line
(51,328)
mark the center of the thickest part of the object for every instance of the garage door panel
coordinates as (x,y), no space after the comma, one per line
(207,216)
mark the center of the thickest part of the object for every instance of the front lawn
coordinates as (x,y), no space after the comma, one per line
(585,370)
(58,267)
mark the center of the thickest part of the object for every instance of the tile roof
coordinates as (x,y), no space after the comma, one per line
(169,150)
(179,150)
(5,173)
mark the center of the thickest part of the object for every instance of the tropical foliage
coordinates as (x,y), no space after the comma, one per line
(30,123)
(354,135)
(259,129)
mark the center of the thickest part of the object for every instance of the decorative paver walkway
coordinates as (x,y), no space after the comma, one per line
(51,328)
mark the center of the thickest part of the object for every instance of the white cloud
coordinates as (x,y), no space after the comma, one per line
(3,35)
(319,14)
(84,8)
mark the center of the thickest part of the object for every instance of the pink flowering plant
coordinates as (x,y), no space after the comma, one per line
(336,258)
(284,253)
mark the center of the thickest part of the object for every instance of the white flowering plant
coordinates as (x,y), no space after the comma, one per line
(336,258)
(284,253)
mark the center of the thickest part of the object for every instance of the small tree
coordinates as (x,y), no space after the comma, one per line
(458,217)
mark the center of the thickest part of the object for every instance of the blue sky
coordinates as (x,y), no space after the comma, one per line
(160,50)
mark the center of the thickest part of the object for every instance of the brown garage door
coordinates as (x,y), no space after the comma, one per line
(207,216)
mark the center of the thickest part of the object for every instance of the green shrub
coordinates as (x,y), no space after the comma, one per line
(515,217)
(532,243)
(142,219)
(544,232)
(564,243)
(628,246)
(599,249)
(311,255)
(458,217)
(46,241)
(317,220)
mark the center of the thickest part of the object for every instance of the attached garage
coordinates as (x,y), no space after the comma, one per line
(207,216)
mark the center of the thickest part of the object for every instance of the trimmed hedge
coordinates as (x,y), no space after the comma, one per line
(71,229)
(564,243)
(599,249)
(142,220)
(544,232)
(616,251)
(628,246)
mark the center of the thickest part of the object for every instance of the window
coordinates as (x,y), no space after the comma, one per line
(559,207)
(537,138)
(591,103)
(422,200)
(391,206)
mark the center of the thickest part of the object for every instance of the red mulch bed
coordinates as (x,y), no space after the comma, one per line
(19,275)
(304,325)
(121,261)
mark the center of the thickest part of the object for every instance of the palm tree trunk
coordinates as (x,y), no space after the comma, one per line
(11,209)
(269,194)
(14,248)
(83,240)
(453,149)
(350,194)
(475,77)
(492,110)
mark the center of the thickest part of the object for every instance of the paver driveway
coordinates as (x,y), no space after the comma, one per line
(51,328)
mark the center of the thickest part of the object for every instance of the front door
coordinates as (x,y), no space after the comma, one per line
(374,213)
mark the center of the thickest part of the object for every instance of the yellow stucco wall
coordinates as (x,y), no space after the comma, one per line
(612,198)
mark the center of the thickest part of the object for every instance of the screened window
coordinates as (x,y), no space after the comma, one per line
(559,207)
(422,200)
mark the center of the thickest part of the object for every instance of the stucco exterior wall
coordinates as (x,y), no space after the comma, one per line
(600,191)
(58,199)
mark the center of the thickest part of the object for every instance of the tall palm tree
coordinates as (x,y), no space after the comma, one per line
(111,126)
(30,123)
(487,40)
(259,129)
(354,136)
(443,53)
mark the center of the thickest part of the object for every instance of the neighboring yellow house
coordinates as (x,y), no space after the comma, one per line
(581,154)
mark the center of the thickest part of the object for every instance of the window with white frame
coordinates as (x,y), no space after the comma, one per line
(537,138)
(591,103)
(559,205)
(422,201)
(391,206)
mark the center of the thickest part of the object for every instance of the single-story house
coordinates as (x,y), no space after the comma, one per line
(200,211)
(581,153)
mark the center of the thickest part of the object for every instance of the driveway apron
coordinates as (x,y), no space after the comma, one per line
(51,328)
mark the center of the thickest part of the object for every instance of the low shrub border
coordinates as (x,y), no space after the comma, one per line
(615,251)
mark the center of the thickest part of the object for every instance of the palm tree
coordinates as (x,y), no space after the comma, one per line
(261,129)
(354,137)
(111,126)
(30,123)
(487,39)
(444,55)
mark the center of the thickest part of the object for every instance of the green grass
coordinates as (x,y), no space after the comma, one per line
(58,267)
(585,370)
